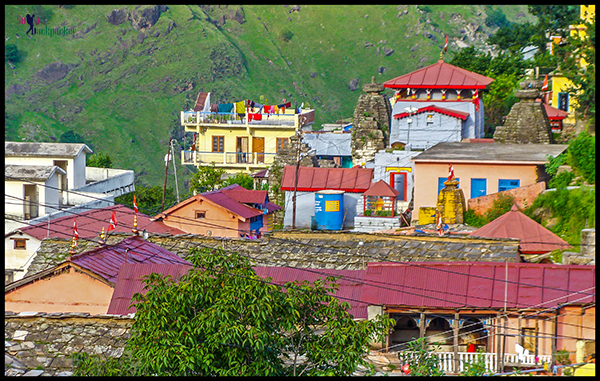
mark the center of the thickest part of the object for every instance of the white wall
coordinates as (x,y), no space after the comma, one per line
(13,206)
(51,197)
(305,208)
(396,161)
(108,180)
(75,167)
(19,259)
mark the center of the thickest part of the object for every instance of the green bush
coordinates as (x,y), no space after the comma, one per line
(368,212)
(383,213)
(474,219)
(11,53)
(286,35)
(582,156)
(562,180)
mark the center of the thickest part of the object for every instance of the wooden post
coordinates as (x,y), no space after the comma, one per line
(456,328)
(422,325)
(497,335)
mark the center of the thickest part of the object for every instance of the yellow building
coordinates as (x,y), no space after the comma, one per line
(240,140)
(561,99)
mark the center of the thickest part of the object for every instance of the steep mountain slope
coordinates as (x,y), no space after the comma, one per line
(124,74)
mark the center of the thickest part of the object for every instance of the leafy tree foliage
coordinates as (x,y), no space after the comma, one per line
(421,359)
(580,155)
(552,19)
(513,37)
(206,179)
(11,53)
(148,198)
(71,137)
(222,319)
(241,179)
(99,160)
(496,18)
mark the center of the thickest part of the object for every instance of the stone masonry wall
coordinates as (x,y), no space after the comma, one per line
(40,344)
(524,196)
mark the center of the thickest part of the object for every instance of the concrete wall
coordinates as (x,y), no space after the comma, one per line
(427,174)
(524,196)
(75,166)
(396,161)
(107,180)
(39,343)
(18,260)
(67,291)
(305,209)
(13,206)
(51,202)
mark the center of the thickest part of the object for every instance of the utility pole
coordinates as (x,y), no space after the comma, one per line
(162,205)
(296,182)
(175,168)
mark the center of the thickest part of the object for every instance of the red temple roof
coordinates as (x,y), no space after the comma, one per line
(432,108)
(440,75)
(381,188)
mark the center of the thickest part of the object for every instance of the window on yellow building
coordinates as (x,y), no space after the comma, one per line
(218,144)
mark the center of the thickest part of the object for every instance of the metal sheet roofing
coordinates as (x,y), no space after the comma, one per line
(350,285)
(555,113)
(432,108)
(107,260)
(381,188)
(440,75)
(312,179)
(91,222)
(490,152)
(478,284)
(129,281)
(534,238)
(45,149)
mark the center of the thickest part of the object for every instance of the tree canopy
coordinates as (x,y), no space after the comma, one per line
(222,319)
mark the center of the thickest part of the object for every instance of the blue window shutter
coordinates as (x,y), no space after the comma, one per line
(504,184)
(478,187)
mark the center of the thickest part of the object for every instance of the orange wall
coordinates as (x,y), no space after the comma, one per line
(70,291)
(218,221)
(426,179)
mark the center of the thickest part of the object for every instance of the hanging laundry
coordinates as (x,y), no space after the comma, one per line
(214,107)
(240,109)
(268,109)
(276,108)
(225,107)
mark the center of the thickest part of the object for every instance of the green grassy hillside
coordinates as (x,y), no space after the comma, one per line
(122,88)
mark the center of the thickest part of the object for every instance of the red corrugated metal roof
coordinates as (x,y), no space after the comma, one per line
(91,222)
(313,179)
(440,75)
(478,284)
(555,113)
(382,189)
(350,286)
(432,108)
(534,238)
(129,281)
(231,205)
(107,260)
(241,194)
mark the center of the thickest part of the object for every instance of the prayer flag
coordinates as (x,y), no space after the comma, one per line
(135,208)
(113,222)
(476,100)
(450,173)
(545,84)
(75,232)
(446,44)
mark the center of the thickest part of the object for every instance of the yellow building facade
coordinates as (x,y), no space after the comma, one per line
(561,99)
(241,143)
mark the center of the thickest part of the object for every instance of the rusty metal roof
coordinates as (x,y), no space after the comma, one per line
(313,179)
(91,222)
(107,260)
(440,75)
(129,281)
(350,285)
(534,238)
(478,284)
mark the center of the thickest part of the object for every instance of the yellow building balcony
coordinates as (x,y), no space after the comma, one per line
(197,121)
(249,161)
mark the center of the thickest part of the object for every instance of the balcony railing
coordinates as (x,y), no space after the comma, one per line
(218,119)
(446,360)
(230,159)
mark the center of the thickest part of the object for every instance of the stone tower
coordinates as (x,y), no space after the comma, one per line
(371,126)
(451,203)
(527,121)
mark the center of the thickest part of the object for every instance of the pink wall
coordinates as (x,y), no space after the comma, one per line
(219,221)
(426,178)
(71,291)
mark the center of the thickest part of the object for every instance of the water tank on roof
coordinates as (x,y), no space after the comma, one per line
(329,210)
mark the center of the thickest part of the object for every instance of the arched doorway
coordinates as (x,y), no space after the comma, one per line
(439,332)
(405,330)
(472,331)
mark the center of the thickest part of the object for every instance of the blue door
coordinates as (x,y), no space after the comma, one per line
(478,187)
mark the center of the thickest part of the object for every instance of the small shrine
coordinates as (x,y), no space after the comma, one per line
(379,209)
(451,202)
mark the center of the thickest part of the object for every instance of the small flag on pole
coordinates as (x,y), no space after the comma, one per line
(446,44)
(439,226)
(545,84)
(476,100)
(75,232)
(135,208)
(113,222)
(451,173)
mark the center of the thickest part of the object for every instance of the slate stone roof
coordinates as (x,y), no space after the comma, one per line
(490,152)
(45,149)
(30,172)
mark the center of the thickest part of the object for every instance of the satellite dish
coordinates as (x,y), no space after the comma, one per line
(208,233)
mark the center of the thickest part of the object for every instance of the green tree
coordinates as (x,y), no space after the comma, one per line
(11,53)
(148,198)
(99,160)
(496,18)
(241,179)
(421,359)
(513,37)
(552,19)
(222,319)
(71,137)
(477,367)
(206,179)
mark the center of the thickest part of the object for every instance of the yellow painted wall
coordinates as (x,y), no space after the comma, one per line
(561,84)
(71,291)
(426,179)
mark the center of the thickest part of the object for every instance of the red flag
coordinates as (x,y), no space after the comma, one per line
(113,222)
(135,208)
(476,100)
(446,44)
(450,173)
(545,84)
(75,232)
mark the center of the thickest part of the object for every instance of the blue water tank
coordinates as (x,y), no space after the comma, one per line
(329,209)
